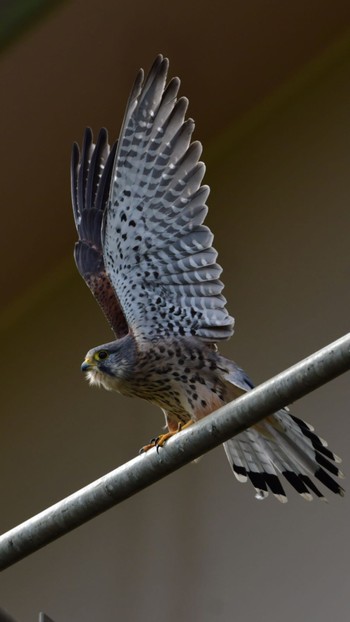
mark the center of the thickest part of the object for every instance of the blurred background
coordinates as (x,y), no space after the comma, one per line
(269,89)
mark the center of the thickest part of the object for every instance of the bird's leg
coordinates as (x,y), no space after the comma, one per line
(162,438)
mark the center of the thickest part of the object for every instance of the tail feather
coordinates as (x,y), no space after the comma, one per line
(290,469)
(269,468)
(283,445)
(250,459)
(318,443)
(307,450)
(310,484)
(295,464)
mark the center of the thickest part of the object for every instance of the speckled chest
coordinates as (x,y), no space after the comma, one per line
(183,377)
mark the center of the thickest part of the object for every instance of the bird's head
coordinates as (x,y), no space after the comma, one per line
(111,364)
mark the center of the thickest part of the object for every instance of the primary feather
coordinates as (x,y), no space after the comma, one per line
(156,250)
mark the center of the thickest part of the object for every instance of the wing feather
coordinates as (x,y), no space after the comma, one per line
(90,182)
(157,252)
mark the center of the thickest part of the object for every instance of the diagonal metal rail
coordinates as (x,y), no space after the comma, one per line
(144,470)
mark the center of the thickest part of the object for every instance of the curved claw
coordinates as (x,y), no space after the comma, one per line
(147,447)
(162,438)
(157,442)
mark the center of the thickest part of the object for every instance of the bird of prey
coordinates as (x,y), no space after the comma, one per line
(148,259)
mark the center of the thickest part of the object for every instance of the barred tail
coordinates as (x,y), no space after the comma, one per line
(283,445)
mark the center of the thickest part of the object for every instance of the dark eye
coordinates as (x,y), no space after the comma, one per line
(102,354)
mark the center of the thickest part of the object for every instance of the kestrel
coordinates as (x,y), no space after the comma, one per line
(144,252)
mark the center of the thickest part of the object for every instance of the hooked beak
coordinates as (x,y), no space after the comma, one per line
(87,365)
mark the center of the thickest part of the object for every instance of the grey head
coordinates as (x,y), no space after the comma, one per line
(111,365)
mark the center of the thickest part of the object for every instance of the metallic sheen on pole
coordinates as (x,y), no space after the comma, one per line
(181,449)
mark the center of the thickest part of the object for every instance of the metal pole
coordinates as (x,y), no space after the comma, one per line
(148,468)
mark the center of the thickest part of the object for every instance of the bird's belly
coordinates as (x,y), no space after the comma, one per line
(184,400)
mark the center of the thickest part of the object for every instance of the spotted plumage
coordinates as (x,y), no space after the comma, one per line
(148,259)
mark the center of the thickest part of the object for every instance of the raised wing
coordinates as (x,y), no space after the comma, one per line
(90,182)
(158,254)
